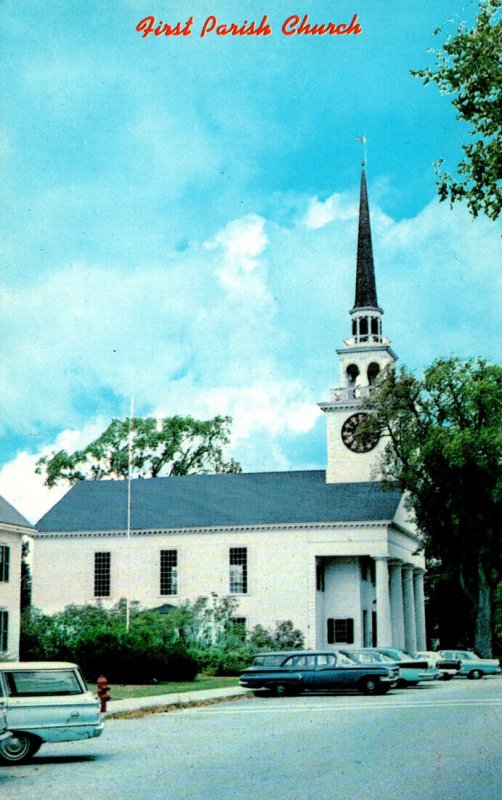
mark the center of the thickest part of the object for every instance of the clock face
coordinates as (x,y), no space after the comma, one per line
(352,440)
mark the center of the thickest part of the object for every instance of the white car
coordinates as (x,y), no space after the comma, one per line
(472,665)
(45,702)
(4,733)
(448,667)
(411,670)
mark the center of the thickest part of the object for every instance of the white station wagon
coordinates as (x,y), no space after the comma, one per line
(44,702)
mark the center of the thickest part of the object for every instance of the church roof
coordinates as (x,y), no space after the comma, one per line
(10,516)
(240,499)
(366,294)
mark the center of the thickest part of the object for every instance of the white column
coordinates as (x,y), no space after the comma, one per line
(396,603)
(384,624)
(410,631)
(420,608)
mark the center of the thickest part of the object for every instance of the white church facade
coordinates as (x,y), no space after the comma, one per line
(329,550)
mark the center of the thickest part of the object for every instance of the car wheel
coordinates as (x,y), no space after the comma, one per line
(280,689)
(475,674)
(402,683)
(18,748)
(447,676)
(370,686)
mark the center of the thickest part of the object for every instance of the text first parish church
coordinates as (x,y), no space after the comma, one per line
(329,550)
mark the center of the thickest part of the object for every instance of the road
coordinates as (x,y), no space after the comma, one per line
(440,741)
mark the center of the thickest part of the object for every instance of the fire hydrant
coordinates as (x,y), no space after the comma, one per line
(103,693)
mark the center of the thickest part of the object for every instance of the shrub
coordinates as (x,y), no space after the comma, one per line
(195,636)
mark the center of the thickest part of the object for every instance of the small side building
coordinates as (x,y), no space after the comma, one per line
(13,526)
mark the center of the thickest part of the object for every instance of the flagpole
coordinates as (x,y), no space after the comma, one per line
(128,535)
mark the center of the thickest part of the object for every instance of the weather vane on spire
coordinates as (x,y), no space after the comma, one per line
(363,140)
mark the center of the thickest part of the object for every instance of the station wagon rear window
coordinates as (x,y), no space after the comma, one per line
(42,683)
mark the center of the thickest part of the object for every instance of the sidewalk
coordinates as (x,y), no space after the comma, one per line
(174,699)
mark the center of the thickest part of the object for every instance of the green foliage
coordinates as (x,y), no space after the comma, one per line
(196,636)
(221,647)
(468,66)
(498,619)
(170,446)
(443,448)
(98,641)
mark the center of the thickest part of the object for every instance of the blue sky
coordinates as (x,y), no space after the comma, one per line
(179,218)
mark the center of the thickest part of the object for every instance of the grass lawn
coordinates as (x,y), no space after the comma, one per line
(120,691)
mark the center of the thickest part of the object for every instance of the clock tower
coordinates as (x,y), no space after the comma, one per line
(363,357)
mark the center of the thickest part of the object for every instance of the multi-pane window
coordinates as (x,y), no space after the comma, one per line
(4,630)
(169,572)
(238,570)
(4,562)
(340,630)
(102,573)
(238,626)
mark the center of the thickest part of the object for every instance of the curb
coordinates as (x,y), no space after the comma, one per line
(132,704)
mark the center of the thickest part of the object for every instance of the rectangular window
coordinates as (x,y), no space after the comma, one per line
(169,572)
(340,631)
(102,572)
(238,570)
(4,563)
(4,630)
(43,683)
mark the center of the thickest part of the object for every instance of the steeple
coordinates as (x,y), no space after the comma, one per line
(363,357)
(366,314)
(366,295)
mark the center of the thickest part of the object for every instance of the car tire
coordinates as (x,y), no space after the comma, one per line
(447,676)
(371,686)
(280,689)
(19,748)
(475,674)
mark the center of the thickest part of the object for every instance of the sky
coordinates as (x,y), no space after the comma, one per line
(179,219)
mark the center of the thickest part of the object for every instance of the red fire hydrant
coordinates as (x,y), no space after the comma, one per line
(103,693)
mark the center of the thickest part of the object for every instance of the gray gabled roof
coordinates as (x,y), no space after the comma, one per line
(10,516)
(194,501)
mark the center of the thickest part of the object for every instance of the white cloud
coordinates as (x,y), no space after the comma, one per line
(246,324)
(24,489)
(322,212)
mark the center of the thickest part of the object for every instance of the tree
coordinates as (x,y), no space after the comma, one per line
(444,445)
(25,576)
(468,67)
(169,446)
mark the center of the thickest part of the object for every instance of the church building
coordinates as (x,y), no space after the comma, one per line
(329,550)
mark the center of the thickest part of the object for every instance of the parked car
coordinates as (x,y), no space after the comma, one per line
(411,670)
(299,671)
(448,667)
(473,665)
(45,702)
(372,657)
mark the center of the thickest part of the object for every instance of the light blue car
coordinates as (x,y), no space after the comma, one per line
(472,665)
